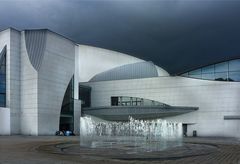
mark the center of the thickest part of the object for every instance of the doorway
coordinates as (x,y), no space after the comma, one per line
(67,111)
(184,126)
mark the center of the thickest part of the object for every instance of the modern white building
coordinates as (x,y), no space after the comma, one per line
(47,81)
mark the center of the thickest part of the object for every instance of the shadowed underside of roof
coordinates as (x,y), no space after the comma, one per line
(122,113)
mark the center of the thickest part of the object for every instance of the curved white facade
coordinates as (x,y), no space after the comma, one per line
(214,99)
(36,79)
(40,65)
(46,73)
(43,88)
(93,60)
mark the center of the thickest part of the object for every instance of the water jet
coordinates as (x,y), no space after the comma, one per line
(142,135)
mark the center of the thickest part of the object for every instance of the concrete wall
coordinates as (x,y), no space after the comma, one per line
(5,112)
(40,65)
(93,60)
(4,121)
(34,93)
(11,38)
(29,104)
(56,71)
(77,102)
(77,115)
(214,99)
(14,81)
(42,90)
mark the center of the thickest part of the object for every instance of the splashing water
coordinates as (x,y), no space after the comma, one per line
(147,135)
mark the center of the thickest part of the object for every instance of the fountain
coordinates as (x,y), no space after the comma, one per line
(142,135)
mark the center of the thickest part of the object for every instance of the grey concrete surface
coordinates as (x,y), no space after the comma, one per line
(52,149)
(215,100)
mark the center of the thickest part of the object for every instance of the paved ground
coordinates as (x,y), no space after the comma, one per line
(51,149)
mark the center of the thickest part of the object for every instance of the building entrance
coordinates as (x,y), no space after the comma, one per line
(67,110)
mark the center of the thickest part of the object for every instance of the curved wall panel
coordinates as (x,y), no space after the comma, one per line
(56,71)
(128,71)
(35,45)
(93,60)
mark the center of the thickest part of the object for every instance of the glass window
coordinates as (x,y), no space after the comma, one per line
(124,99)
(2,100)
(2,88)
(67,109)
(195,72)
(221,76)
(208,76)
(114,101)
(199,76)
(208,69)
(225,71)
(133,101)
(234,76)
(2,69)
(84,95)
(221,67)
(234,65)
(3,77)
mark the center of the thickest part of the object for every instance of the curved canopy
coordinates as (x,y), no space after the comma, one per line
(129,71)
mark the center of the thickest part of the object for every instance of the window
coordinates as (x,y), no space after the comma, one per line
(196,72)
(222,76)
(85,95)
(3,77)
(224,71)
(196,76)
(208,70)
(133,101)
(209,76)
(67,109)
(221,67)
(234,65)
(234,76)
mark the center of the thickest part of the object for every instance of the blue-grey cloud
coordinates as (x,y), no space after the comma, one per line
(175,34)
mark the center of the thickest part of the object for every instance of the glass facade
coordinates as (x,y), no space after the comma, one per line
(134,101)
(85,96)
(3,77)
(67,110)
(224,71)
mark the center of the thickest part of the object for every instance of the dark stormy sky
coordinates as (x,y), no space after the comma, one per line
(175,34)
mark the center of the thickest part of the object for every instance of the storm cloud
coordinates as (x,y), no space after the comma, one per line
(177,35)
